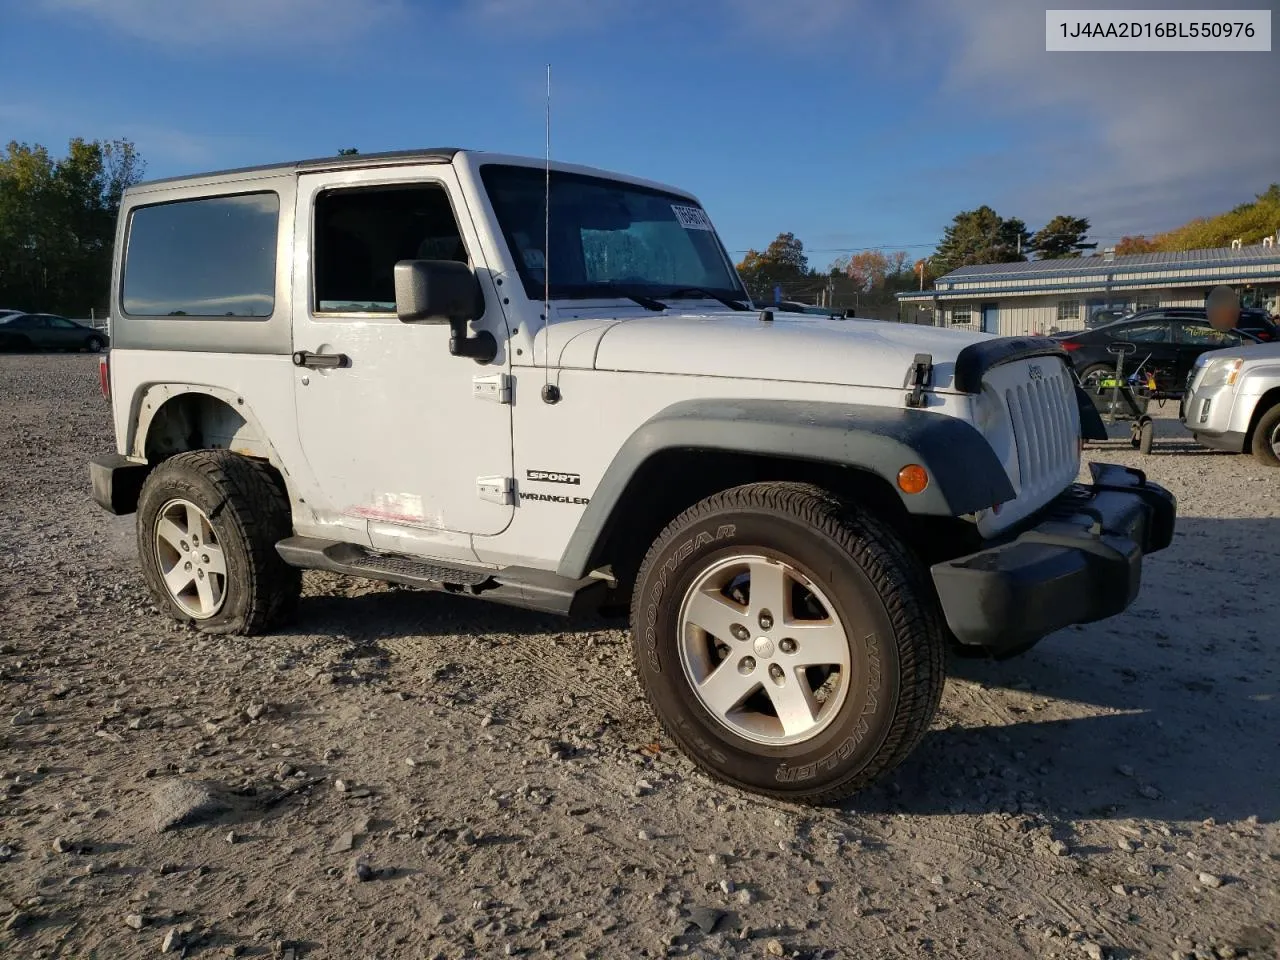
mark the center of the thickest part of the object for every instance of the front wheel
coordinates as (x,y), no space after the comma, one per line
(94,344)
(1266,438)
(208,523)
(788,641)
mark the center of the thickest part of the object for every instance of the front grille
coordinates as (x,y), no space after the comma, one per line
(1045,430)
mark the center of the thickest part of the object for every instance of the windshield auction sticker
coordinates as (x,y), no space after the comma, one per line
(1236,31)
(691,218)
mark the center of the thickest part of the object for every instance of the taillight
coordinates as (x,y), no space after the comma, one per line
(104,376)
(1069,345)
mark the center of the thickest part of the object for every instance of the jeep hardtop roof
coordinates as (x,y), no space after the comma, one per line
(425,155)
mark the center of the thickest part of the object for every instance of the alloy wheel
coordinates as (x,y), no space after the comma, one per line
(764,650)
(191,560)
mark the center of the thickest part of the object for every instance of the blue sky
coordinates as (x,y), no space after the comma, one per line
(852,123)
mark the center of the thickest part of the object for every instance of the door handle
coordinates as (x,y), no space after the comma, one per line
(320,361)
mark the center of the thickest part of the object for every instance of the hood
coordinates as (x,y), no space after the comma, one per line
(794,347)
(1246,351)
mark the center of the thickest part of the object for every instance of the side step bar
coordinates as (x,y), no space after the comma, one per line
(525,587)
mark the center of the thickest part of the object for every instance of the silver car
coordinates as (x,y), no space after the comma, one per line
(1232,401)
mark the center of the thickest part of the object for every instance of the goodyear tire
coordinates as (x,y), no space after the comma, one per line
(208,523)
(787,641)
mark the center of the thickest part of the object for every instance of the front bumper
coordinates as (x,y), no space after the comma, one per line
(1081,562)
(1210,415)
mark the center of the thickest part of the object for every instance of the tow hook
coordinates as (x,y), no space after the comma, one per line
(918,377)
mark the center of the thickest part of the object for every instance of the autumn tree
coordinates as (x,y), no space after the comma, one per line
(1135,244)
(981,236)
(867,270)
(1062,237)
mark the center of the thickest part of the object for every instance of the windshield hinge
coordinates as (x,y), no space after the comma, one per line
(496,490)
(495,388)
(919,377)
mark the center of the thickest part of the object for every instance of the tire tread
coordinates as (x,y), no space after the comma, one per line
(254,502)
(1259,443)
(899,579)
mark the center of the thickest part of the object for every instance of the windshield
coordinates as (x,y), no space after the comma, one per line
(608,238)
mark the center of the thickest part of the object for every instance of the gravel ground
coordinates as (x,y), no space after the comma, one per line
(406,774)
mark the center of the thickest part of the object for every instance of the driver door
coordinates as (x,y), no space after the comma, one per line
(411,454)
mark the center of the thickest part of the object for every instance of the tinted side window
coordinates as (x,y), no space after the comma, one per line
(1145,333)
(361,234)
(213,257)
(1203,335)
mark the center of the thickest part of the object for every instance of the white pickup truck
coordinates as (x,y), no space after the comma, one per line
(406,367)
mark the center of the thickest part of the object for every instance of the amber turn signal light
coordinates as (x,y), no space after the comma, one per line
(913,478)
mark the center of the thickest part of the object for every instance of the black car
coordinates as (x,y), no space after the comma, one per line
(45,331)
(1165,342)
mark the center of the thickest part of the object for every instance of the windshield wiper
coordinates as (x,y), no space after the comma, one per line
(606,291)
(704,292)
(647,302)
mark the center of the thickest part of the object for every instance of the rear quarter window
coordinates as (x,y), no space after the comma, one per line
(212,257)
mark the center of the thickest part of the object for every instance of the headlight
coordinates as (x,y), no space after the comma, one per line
(1220,372)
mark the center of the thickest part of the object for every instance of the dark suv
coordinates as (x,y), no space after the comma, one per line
(1166,341)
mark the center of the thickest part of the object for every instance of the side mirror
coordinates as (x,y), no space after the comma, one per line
(444,291)
(436,291)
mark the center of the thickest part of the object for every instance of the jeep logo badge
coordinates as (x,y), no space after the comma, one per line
(1034,372)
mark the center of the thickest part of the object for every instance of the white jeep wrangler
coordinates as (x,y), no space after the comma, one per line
(406,367)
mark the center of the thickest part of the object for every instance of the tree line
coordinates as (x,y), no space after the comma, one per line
(57,223)
(871,278)
(1248,222)
(981,236)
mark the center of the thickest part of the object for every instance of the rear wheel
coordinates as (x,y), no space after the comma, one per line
(787,641)
(1093,376)
(1266,438)
(208,523)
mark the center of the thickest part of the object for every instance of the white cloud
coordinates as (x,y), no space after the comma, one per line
(245,22)
(1142,141)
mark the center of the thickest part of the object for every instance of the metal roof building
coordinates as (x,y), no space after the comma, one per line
(1041,296)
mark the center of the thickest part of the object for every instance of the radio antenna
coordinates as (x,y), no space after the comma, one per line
(550,392)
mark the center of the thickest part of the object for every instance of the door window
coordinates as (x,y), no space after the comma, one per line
(1201,335)
(60,323)
(1145,333)
(361,234)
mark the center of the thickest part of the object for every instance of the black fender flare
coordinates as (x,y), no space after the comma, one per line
(965,475)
